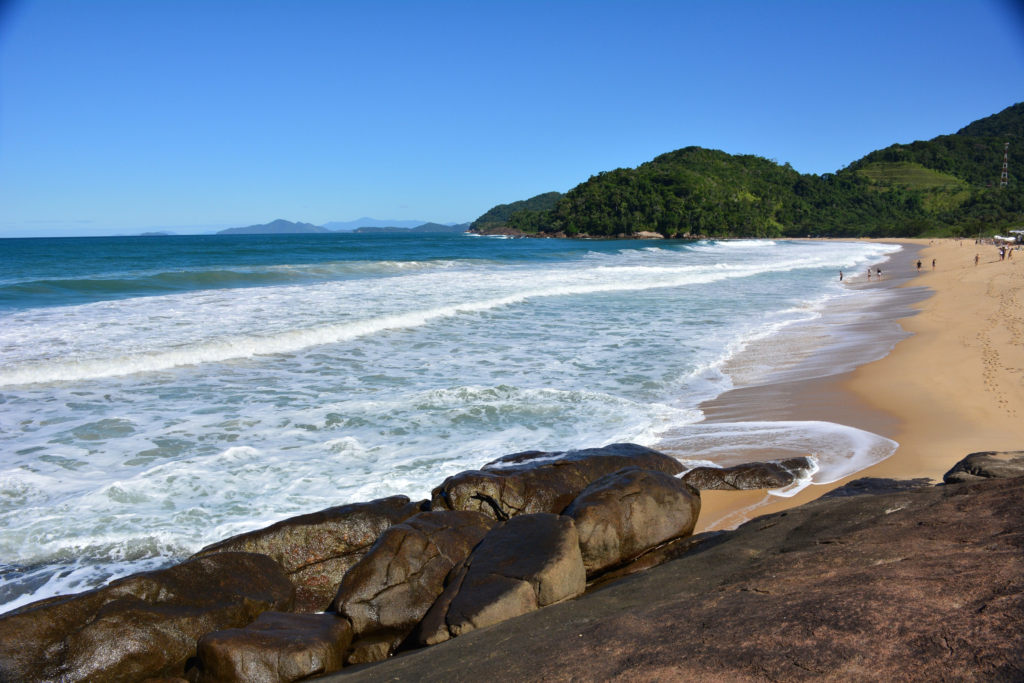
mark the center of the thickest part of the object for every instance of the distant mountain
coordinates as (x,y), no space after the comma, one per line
(160,233)
(348,226)
(278,227)
(500,214)
(435,228)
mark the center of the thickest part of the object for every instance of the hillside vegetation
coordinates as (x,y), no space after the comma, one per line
(499,215)
(945,186)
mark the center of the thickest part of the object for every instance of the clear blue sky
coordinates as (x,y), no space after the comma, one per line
(126,116)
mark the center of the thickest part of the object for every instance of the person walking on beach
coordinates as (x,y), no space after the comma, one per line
(975,260)
(919,266)
(869,274)
(933,264)
(840,276)
(878,272)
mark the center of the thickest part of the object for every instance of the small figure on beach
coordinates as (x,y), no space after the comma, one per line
(933,264)
(919,266)
(840,276)
(869,273)
(975,259)
(878,272)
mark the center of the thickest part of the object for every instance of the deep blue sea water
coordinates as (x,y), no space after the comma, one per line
(159,394)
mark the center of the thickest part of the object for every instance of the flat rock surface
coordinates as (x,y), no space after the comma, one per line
(925,584)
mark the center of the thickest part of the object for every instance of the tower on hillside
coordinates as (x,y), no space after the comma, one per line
(1005,177)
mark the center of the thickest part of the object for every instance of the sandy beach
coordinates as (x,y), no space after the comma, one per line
(955,386)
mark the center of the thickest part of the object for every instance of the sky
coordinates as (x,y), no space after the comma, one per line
(119,117)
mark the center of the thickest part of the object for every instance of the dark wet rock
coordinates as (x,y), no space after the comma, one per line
(142,626)
(529,562)
(622,515)
(920,585)
(316,550)
(986,465)
(276,648)
(874,486)
(535,481)
(773,474)
(392,587)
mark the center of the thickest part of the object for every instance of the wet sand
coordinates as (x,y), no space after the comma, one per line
(952,384)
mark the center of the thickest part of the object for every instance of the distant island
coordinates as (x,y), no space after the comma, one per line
(367,222)
(278,227)
(283,227)
(161,233)
(435,228)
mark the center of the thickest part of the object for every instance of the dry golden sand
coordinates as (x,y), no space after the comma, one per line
(955,387)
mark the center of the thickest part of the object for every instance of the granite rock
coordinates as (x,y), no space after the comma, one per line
(535,481)
(986,465)
(142,626)
(276,648)
(772,474)
(315,550)
(622,515)
(529,562)
(389,590)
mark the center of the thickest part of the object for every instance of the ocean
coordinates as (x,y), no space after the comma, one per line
(159,394)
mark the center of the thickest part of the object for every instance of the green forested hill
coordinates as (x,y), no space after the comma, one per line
(1009,123)
(938,186)
(499,214)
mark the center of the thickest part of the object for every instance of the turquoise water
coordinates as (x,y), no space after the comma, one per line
(159,394)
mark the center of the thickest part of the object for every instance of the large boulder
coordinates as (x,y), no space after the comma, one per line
(987,465)
(529,562)
(621,516)
(773,474)
(535,481)
(920,585)
(142,626)
(316,550)
(276,648)
(388,591)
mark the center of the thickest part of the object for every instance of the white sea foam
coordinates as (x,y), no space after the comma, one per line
(838,450)
(141,429)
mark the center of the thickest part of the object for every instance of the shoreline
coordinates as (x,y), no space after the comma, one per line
(950,384)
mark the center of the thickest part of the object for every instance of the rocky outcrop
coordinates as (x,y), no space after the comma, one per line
(773,474)
(529,562)
(986,465)
(388,591)
(535,481)
(276,648)
(920,585)
(316,550)
(146,625)
(622,515)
